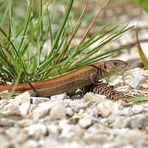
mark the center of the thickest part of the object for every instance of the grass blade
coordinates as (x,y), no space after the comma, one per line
(141,53)
(138,99)
(67,12)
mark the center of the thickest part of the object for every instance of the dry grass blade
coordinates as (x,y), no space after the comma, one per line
(90,25)
(141,53)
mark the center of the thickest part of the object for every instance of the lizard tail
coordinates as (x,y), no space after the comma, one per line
(108,90)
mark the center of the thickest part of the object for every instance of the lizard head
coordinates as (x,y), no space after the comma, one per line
(114,66)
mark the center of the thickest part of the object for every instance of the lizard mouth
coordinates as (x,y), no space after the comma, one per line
(117,69)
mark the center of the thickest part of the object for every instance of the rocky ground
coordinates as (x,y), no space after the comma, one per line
(92,121)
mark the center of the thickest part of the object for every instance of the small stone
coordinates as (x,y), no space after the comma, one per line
(137,109)
(22,102)
(38,100)
(67,131)
(135,77)
(5,143)
(30,144)
(69,111)
(22,137)
(25,122)
(116,121)
(2,102)
(4,122)
(37,130)
(134,137)
(42,110)
(78,104)
(54,130)
(59,97)
(58,111)
(85,122)
(12,132)
(92,111)
(24,97)
(124,89)
(91,97)
(129,111)
(104,109)
(125,112)
(98,137)
(4,95)
(138,122)
(107,107)
(24,108)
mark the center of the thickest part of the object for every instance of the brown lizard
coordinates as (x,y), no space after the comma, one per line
(69,82)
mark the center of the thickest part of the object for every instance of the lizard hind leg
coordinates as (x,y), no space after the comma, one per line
(78,94)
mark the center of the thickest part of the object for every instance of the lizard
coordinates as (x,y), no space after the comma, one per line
(69,82)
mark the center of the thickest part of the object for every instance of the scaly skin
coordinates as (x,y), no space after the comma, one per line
(69,82)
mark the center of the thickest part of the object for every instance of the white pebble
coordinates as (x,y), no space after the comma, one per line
(59,97)
(58,111)
(37,130)
(85,122)
(42,110)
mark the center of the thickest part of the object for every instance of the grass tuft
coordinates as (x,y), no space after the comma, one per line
(22,53)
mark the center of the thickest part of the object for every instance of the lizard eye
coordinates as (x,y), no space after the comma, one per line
(105,67)
(115,63)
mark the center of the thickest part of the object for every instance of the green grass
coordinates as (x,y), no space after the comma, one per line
(22,51)
(138,99)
